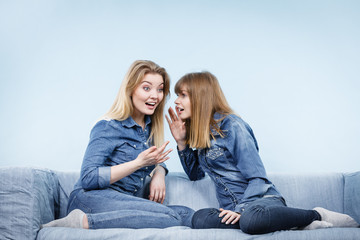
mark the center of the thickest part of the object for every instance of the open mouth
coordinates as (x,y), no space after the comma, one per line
(180,109)
(150,104)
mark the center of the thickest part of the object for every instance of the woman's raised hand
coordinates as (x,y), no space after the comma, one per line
(149,157)
(153,155)
(177,128)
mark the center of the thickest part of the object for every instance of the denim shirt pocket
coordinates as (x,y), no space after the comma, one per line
(214,153)
(127,151)
(217,159)
(132,150)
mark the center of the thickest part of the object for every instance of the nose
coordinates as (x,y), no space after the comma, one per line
(154,94)
(176,101)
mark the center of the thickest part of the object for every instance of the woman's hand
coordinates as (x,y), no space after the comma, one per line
(149,157)
(157,185)
(229,216)
(177,128)
(153,156)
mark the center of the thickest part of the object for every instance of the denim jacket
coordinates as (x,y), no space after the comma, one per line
(111,143)
(232,162)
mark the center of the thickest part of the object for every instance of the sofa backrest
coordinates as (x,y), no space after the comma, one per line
(334,191)
(309,190)
(194,194)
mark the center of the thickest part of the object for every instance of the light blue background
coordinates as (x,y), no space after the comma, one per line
(289,68)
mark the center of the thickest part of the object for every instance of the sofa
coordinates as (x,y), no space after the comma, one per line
(32,196)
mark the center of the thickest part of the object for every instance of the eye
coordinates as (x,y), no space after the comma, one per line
(146,88)
(160,90)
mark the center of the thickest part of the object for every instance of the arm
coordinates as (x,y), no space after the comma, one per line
(157,185)
(190,163)
(248,161)
(189,159)
(149,157)
(94,173)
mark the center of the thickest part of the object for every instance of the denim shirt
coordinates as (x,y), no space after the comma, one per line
(232,162)
(111,143)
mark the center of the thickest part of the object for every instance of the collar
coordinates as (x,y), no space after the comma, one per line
(129,122)
(217,117)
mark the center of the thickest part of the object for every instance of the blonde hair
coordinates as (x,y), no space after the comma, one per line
(206,98)
(123,108)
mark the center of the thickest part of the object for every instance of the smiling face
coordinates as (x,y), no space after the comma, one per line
(147,96)
(183,103)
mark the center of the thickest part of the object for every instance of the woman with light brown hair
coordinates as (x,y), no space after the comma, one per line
(126,145)
(212,139)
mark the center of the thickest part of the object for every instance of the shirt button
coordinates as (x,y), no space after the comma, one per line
(135,190)
(134,146)
(225,189)
(146,168)
(141,179)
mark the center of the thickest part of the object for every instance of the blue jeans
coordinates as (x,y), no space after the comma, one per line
(261,216)
(108,208)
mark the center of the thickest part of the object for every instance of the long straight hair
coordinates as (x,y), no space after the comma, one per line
(206,98)
(123,108)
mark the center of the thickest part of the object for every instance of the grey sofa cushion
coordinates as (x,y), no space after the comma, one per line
(185,233)
(194,194)
(67,181)
(352,195)
(28,199)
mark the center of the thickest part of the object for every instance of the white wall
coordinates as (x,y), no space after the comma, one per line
(289,68)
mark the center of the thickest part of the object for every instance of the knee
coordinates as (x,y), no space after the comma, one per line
(182,210)
(203,217)
(255,221)
(182,214)
(172,219)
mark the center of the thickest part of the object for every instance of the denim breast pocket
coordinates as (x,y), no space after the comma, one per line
(214,153)
(127,151)
(217,158)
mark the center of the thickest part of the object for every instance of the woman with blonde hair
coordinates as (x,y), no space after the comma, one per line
(126,145)
(212,139)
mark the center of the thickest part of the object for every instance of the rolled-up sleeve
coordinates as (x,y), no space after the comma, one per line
(165,168)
